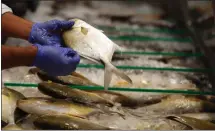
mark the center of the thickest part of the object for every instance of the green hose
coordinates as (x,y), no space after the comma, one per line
(148,68)
(129,29)
(180,54)
(146,38)
(187,92)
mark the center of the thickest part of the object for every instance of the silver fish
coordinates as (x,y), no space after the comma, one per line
(93,45)
(60,91)
(41,106)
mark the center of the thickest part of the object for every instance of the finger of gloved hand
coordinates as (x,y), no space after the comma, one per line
(55,60)
(73,57)
(44,38)
(56,40)
(38,35)
(57,25)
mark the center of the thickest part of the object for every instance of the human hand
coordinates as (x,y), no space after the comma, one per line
(56,61)
(48,33)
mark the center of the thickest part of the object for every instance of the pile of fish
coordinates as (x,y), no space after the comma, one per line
(67,108)
(62,107)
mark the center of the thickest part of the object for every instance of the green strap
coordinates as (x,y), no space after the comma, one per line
(147,68)
(127,29)
(146,38)
(160,53)
(188,92)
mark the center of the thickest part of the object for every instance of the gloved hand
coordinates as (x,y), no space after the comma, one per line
(48,33)
(56,61)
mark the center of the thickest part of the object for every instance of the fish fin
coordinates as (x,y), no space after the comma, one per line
(118,48)
(90,58)
(84,30)
(109,69)
(107,77)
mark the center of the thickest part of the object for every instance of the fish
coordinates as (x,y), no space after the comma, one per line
(41,106)
(74,78)
(92,44)
(60,91)
(108,98)
(177,105)
(65,122)
(195,124)
(91,97)
(10,113)
(147,98)
(202,116)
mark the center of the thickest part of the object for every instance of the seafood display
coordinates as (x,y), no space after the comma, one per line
(140,46)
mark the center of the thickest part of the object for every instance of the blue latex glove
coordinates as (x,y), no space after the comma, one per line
(49,33)
(56,61)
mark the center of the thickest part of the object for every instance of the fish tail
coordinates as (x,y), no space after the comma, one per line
(117,47)
(109,70)
(107,76)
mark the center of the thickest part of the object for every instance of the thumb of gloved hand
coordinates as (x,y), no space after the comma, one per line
(56,61)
